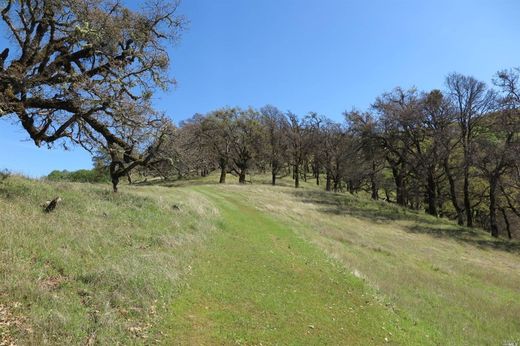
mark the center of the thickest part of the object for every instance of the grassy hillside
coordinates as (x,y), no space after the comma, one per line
(102,268)
(461,284)
(202,263)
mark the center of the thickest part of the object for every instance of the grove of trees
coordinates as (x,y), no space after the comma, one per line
(452,153)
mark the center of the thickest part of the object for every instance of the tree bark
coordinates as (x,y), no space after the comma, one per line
(328,181)
(242,177)
(508,225)
(467,201)
(296,176)
(387,196)
(114,176)
(373,183)
(493,207)
(399,185)
(222,175)
(351,187)
(115,181)
(453,195)
(375,190)
(440,203)
(274,170)
(431,192)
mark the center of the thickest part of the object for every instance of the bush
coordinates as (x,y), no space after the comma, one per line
(4,174)
(80,176)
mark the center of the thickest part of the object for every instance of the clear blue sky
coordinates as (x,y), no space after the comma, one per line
(300,55)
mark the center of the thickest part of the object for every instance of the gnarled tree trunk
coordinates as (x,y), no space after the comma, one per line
(223,167)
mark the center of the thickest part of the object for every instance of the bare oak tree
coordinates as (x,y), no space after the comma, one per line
(84,71)
(472,100)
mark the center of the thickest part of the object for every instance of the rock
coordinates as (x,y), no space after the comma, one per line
(51,205)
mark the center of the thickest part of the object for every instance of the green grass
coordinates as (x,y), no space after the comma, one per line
(259,283)
(103,267)
(462,283)
(199,263)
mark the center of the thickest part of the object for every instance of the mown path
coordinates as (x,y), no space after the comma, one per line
(258,283)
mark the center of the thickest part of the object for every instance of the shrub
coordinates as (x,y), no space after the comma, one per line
(79,176)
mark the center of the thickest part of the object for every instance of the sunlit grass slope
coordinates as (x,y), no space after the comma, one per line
(193,262)
(102,268)
(259,283)
(460,283)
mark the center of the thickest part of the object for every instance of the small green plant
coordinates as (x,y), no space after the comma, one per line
(4,174)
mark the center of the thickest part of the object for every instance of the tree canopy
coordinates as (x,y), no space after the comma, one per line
(84,72)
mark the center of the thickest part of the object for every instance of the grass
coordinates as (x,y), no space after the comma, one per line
(258,283)
(201,263)
(100,269)
(461,283)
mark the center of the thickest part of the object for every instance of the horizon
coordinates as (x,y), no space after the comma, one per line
(327,58)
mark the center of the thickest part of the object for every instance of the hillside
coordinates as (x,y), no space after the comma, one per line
(200,263)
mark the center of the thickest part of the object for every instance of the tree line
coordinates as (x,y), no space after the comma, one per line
(453,153)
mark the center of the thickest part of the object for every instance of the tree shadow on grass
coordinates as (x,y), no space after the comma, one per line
(477,238)
(383,212)
(374,211)
(175,182)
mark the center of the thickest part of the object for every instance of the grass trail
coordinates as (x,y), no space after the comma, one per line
(461,284)
(259,283)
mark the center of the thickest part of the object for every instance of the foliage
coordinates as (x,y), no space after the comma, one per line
(80,176)
(448,152)
(84,72)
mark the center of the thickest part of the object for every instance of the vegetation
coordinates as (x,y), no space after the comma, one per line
(79,176)
(258,282)
(452,153)
(102,267)
(84,72)
(459,284)
(400,258)
(230,264)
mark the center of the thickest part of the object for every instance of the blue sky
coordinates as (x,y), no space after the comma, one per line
(300,55)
